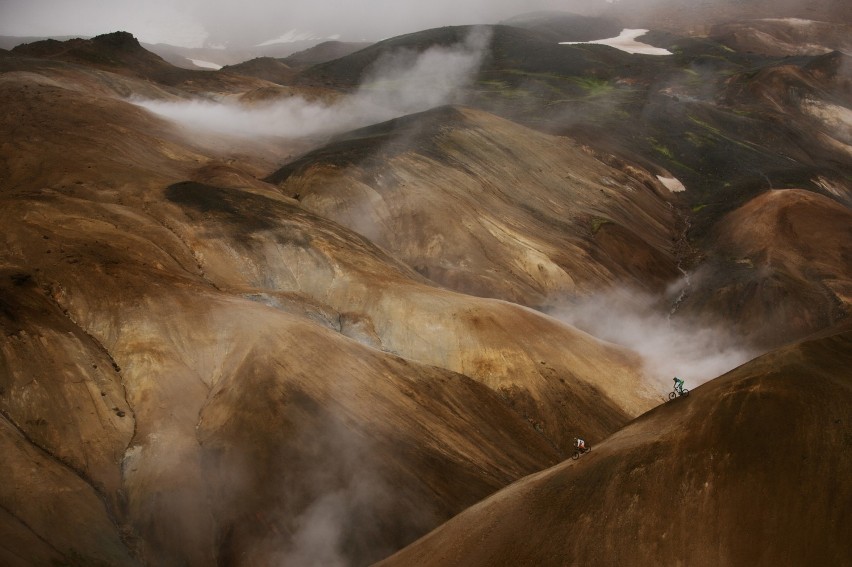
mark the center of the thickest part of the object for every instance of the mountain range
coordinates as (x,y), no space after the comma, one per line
(354,305)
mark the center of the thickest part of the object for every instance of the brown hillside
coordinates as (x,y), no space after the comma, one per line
(783,264)
(534,216)
(750,469)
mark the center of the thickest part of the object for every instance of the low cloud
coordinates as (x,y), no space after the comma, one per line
(670,345)
(400,83)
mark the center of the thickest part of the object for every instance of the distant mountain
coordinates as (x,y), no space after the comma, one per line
(266,68)
(562,26)
(121,53)
(117,51)
(509,47)
(700,17)
(8,41)
(232,55)
(324,52)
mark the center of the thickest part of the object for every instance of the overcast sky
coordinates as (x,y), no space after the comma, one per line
(193,23)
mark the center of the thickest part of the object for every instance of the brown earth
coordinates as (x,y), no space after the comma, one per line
(751,469)
(204,371)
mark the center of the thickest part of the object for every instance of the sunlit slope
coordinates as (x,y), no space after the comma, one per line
(752,468)
(488,207)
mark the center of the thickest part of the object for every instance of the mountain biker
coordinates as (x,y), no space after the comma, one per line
(581,445)
(678,384)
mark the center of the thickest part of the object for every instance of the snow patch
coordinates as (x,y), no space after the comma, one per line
(792,21)
(291,36)
(672,184)
(626,41)
(205,64)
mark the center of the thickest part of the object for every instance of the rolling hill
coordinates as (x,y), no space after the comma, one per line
(271,349)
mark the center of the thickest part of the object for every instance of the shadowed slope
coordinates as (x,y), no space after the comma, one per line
(323,53)
(752,468)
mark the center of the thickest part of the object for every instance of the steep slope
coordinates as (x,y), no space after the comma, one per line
(752,468)
(536,217)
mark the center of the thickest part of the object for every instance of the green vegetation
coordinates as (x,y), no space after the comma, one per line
(706,126)
(660,148)
(593,85)
(598,222)
(695,139)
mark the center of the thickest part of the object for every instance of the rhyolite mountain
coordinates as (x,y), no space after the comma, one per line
(266,350)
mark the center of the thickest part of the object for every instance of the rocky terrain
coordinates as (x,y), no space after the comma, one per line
(231,340)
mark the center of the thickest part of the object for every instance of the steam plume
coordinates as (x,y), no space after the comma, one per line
(400,83)
(669,345)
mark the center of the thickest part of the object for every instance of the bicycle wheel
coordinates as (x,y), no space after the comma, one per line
(672,395)
(685,393)
(576,455)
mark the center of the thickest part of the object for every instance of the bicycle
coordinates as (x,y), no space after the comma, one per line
(678,392)
(583,451)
